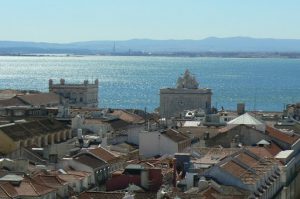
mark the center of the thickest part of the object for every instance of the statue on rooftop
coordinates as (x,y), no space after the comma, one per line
(187,81)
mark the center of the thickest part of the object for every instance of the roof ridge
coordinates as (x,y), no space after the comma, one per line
(32,181)
(6,191)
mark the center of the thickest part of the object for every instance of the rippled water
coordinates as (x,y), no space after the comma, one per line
(134,82)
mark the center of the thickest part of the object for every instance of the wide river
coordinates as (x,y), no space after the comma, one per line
(134,82)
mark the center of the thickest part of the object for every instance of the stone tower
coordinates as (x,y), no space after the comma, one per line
(186,96)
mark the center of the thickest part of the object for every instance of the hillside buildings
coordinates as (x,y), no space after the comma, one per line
(186,96)
(78,95)
(192,151)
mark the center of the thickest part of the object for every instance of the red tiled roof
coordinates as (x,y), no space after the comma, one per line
(279,135)
(260,152)
(103,154)
(50,180)
(245,158)
(27,187)
(267,151)
(273,148)
(8,189)
(209,193)
(89,160)
(233,168)
(128,117)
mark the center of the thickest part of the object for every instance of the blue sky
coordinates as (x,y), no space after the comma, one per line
(84,20)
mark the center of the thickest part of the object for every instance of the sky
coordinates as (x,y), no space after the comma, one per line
(66,21)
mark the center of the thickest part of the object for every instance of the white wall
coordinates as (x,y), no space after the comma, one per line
(149,144)
(133,133)
(153,143)
(167,146)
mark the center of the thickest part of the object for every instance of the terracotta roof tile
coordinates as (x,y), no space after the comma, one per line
(260,151)
(233,168)
(41,189)
(209,193)
(3,194)
(246,159)
(50,180)
(273,148)
(128,117)
(103,154)
(279,135)
(89,160)
(8,189)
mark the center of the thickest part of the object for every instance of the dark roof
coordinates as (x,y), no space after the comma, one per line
(30,129)
(118,124)
(175,135)
(90,161)
(12,102)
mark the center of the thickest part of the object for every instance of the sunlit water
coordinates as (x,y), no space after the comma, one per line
(134,82)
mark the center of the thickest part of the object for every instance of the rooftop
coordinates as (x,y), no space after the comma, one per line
(103,154)
(245,119)
(30,129)
(128,117)
(247,166)
(40,99)
(174,135)
(90,161)
(27,188)
(281,136)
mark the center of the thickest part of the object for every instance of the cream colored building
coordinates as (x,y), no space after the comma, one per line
(39,133)
(78,95)
(186,96)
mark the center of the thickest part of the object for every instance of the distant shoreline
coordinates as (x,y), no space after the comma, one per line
(283,55)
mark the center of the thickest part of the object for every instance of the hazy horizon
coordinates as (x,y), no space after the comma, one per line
(170,39)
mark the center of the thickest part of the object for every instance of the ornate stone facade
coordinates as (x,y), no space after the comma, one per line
(77,95)
(186,96)
(187,81)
